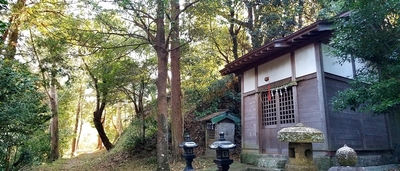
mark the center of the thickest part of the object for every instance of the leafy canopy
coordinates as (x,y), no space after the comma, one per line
(370,34)
(22,108)
(3,9)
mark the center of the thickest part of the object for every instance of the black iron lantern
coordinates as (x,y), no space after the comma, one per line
(222,148)
(188,146)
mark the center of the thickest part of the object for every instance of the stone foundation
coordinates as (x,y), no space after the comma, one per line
(389,167)
(376,160)
(276,162)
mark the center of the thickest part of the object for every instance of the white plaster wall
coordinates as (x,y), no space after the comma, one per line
(276,70)
(249,80)
(331,64)
(305,61)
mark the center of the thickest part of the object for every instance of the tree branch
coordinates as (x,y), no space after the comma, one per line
(39,63)
(186,7)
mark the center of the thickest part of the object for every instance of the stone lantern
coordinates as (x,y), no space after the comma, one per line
(300,140)
(188,146)
(222,148)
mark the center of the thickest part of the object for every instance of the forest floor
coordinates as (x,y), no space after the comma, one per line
(104,161)
(141,157)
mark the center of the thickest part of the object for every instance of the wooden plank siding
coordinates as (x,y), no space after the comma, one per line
(309,110)
(250,123)
(394,133)
(270,143)
(375,132)
(307,96)
(361,131)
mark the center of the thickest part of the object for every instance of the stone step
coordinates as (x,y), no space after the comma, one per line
(262,169)
(272,163)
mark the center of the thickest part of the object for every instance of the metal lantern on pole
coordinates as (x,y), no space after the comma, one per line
(188,146)
(222,148)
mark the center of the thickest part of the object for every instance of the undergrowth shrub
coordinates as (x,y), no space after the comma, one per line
(132,139)
(222,94)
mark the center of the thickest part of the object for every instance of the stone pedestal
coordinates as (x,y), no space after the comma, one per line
(346,156)
(300,157)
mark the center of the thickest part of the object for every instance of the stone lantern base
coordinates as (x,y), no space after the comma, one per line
(300,140)
(300,157)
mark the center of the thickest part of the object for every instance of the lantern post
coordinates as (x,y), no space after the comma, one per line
(188,146)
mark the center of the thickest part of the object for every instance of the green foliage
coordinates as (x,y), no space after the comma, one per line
(35,150)
(132,140)
(331,8)
(272,19)
(23,111)
(221,94)
(370,34)
(3,9)
(3,4)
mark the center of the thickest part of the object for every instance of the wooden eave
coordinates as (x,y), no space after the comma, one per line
(312,33)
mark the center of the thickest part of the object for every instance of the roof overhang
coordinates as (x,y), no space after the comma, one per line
(219,116)
(315,32)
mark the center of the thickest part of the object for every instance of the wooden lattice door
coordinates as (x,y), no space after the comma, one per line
(277,112)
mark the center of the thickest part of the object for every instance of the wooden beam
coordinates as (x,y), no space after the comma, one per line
(281,45)
(270,48)
(324,27)
(257,54)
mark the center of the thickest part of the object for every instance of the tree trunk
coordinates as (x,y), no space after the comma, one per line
(99,143)
(7,159)
(140,108)
(98,124)
(137,100)
(12,32)
(97,114)
(119,120)
(118,123)
(80,133)
(54,153)
(176,112)
(234,32)
(162,108)
(77,113)
(162,119)
(143,128)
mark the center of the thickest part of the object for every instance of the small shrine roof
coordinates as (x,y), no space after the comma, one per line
(219,116)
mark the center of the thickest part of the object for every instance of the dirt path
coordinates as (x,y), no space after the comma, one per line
(81,162)
(105,161)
